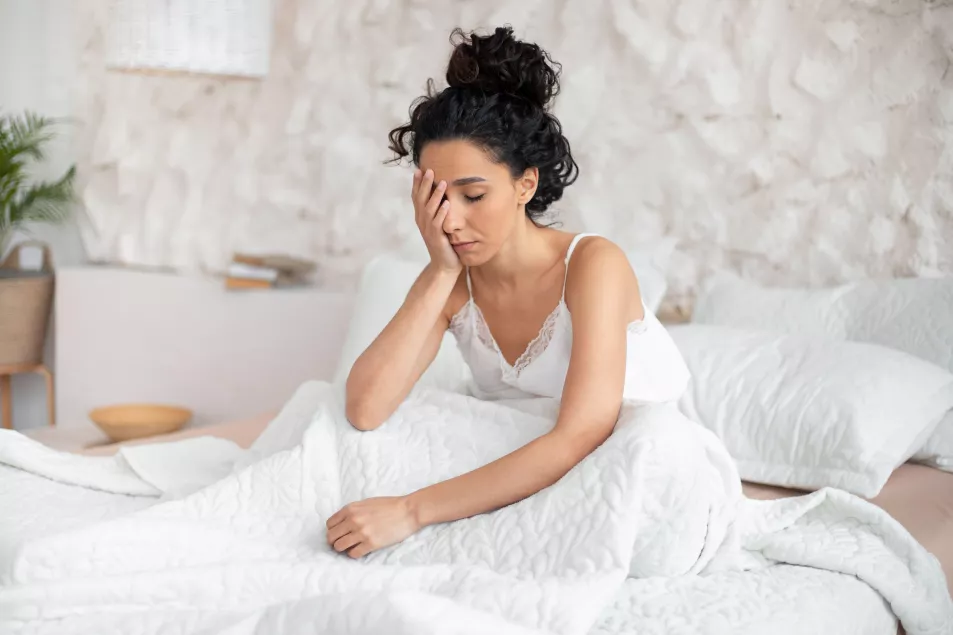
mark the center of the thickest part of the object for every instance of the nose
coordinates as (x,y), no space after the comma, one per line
(455,220)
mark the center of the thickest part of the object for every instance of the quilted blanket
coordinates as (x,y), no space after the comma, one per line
(245,552)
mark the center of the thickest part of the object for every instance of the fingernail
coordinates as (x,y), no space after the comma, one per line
(443,184)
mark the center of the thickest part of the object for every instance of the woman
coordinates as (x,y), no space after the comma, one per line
(535,311)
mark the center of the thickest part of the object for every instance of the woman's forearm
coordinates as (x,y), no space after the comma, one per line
(384,373)
(516,476)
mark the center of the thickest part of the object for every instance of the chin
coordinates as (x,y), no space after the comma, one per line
(474,257)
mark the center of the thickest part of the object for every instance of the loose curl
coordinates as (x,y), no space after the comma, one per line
(498,94)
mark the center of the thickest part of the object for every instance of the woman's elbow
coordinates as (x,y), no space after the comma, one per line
(360,412)
(360,416)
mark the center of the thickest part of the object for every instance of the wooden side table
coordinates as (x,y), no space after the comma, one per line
(6,393)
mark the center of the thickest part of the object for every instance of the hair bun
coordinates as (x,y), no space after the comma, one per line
(499,63)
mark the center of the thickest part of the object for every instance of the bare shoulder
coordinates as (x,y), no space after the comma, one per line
(599,268)
(599,261)
(601,253)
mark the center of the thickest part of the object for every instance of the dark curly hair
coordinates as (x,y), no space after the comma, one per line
(498,94)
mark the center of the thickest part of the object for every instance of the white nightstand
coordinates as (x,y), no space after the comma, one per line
(133,336)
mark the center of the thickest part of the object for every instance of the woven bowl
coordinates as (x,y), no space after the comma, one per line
(135,421)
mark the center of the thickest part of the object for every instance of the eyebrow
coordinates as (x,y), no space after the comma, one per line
(469,179)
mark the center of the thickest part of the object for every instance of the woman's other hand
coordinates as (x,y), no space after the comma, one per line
(372,524)
(431,209)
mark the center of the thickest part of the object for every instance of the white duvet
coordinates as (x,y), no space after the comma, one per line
(608,549)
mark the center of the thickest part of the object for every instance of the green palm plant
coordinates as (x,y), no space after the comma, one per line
(22,202)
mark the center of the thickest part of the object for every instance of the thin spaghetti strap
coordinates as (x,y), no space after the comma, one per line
(469,288)
(572,247)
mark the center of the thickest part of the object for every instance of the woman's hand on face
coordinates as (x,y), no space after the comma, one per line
(431,210)
(372,524)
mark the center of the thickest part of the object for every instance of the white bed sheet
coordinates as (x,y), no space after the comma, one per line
(33,506)
(783,600)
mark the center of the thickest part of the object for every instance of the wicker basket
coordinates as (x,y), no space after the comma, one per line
(25,301)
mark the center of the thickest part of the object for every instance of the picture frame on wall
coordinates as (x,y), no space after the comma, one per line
(214,37)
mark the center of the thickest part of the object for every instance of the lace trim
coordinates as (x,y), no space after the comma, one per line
(533,350)
(483,331)
(458,322)
(638,327)
(536,347)
(539,343)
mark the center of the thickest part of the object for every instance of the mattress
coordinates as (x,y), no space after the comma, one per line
(920,498)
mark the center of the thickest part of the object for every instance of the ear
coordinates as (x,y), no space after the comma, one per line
(526,185)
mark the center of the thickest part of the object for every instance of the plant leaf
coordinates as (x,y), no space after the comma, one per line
(24,137)
(43,202)
(21,140)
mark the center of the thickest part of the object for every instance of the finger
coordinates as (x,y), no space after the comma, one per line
(426,187)
(337,517)
(360,550)
(341,529)
(441,215)
(346,541)
(417,177)
(436,198)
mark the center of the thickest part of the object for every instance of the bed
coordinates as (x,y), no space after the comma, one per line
(920,497)
(783,598)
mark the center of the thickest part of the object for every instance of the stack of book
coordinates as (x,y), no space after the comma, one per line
(267,271)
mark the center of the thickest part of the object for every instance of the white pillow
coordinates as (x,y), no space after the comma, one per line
(384,285)
(809,413)
(938,450)
(649,261)
(914,315)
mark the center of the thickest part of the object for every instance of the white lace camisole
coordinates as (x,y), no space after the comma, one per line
(654,368)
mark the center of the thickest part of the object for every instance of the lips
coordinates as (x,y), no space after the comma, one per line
(463,246)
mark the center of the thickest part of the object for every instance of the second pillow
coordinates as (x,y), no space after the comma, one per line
(808,413)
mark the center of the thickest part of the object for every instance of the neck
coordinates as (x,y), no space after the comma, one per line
(525,255)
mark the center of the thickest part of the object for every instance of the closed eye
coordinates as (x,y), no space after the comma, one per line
(474,199)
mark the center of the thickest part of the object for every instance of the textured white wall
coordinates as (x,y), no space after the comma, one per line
(806,141)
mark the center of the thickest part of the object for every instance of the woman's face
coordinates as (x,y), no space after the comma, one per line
(486,202)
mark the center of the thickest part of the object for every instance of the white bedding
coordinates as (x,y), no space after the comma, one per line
(807,413)
(782,599)
(907,314)
(34,506)
(660,498)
